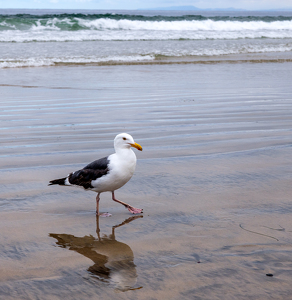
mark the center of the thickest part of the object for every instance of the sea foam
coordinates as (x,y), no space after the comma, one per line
(42,62)
(194,25)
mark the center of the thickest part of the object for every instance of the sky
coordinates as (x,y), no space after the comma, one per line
(142,4)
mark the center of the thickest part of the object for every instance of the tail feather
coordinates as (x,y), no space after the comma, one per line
(60,181)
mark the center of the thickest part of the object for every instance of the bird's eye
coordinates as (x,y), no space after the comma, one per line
(124,138)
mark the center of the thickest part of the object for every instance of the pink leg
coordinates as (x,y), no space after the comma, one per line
(97,208)
(130,208)
(97,204)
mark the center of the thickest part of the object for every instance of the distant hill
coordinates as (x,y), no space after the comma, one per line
(190,7)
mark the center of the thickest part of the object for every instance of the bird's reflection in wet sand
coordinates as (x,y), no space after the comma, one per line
(113,260)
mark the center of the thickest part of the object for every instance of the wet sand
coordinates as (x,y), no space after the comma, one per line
(214,181)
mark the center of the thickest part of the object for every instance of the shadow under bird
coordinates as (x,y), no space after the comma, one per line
(107,174)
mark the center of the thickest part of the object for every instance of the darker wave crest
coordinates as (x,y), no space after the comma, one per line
(140,17)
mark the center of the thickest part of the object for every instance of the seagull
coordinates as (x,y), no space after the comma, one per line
(108,173)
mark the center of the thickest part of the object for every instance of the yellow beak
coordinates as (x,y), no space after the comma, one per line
(137,146)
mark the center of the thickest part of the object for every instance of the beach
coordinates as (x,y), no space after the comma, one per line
(213,179)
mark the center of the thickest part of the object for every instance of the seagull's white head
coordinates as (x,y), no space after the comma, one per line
(124,141)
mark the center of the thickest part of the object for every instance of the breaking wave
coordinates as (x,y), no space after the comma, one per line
(62,28)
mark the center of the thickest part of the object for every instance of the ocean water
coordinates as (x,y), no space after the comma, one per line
(34,38)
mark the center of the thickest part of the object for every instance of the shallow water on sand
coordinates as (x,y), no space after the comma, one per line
(214,180)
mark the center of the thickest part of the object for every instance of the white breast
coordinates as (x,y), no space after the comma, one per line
(121,168)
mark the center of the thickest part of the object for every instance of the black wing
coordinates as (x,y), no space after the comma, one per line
(92,171)
(100,164)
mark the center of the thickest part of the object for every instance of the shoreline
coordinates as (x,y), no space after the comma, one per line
(254,58)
